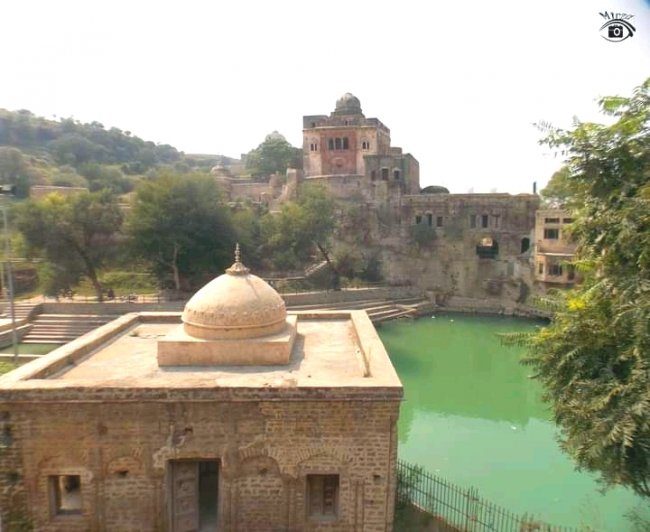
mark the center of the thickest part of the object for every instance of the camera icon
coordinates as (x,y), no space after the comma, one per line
(615,31)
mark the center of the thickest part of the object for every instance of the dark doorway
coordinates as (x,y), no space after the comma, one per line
(525,244)
(208,495)
(194,495)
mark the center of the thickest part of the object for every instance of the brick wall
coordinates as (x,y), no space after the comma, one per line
(122,451)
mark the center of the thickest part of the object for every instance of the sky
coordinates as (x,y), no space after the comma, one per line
(459,84)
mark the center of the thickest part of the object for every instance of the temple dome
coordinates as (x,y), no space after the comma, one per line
(236,304)
(348,104)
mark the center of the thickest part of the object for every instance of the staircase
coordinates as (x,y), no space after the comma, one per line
(315,268)
(62,328)
(22,311)
(378,310)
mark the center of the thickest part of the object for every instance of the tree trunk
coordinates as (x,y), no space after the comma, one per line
(174,265)
(90,272)
(336,277)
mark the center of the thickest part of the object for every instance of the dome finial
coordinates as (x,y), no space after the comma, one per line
(237,268)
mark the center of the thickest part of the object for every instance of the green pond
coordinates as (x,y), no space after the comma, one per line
(472,415)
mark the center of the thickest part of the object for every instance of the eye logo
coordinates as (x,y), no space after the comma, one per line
(617,28)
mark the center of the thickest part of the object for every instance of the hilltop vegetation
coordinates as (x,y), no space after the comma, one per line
(35,150)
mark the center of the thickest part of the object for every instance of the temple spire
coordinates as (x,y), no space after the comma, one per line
(237,268)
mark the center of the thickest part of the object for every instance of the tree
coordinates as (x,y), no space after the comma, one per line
(179,224)
(559,190)
(594,357)
(273,156)
(75,233)
(302,228)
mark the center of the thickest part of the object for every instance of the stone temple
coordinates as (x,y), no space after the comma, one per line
(235,416)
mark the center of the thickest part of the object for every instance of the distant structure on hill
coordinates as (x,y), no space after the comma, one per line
(38,192)
(353,154)
(479,246)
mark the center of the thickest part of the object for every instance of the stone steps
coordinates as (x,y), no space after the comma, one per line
(397,313)
(22,311)
(63,328)
(366,304)
(379,310)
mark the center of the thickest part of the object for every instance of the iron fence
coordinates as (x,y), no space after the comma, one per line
(462,508)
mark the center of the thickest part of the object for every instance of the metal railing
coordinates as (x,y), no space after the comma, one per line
(461,508)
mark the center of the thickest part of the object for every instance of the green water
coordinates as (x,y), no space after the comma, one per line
(472,415)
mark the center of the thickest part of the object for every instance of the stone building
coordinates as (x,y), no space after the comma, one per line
(476,245)
(235,416)
(352,155)
(271,192)
(553,248)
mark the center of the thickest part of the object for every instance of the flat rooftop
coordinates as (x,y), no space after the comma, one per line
(336,355)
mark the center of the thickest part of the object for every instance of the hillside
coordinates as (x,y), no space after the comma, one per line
(36,150)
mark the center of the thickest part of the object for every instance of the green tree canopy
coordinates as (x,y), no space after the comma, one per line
(76,234)
(180,226)
(594,358)
(273,156)
(302,229)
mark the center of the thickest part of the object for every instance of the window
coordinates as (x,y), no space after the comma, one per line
(323,496)
(525,245)
(384,174)
(65,494)
(555,270)
(313,146)
(365,145)
(338,143)
(485,221)
(373,175)
(552,220)
(418,218)
(540,268)
(551,234)
(472,221)
(396,174)
(496,219)
(571,272)
(430,219)
(567,221)
(438,221)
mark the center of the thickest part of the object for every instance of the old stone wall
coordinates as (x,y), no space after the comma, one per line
(471,245)
(266,449)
